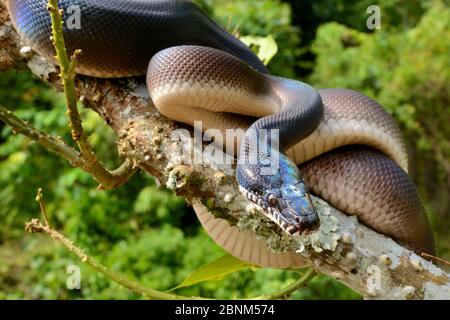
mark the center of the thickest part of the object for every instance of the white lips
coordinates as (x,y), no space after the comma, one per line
(270,212)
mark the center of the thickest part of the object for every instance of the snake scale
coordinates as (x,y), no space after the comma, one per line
(335,143)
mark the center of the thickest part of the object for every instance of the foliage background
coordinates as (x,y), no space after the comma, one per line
(149,235)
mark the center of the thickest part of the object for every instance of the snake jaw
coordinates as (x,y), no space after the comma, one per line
(296,215)
(282,196)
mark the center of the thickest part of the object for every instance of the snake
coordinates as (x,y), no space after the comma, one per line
(337,144)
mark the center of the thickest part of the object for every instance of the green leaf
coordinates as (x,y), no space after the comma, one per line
(267,47)
(214,271)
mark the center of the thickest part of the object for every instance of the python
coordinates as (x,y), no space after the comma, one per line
(335,143)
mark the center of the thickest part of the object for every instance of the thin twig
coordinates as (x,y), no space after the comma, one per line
(429,256)
(106,178)
(288,291)
(119,176)
(56,145)
(35,226)
(40,200)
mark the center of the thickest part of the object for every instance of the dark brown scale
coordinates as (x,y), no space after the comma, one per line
(391,204)
(118,38)
(351,104)
(189,63)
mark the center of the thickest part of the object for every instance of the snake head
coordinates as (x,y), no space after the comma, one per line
(283,196)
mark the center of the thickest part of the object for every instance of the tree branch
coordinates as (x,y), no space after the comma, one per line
(58,146)
(34,226)
(51,143)
(288,291)
(367,262)
(86,158)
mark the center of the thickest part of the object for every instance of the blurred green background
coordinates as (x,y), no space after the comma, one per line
(149,235)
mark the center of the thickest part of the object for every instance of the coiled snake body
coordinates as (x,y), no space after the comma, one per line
(349,150)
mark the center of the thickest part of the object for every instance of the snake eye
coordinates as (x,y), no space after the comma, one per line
(272,200)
